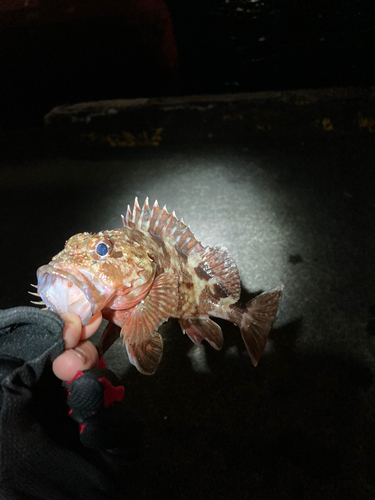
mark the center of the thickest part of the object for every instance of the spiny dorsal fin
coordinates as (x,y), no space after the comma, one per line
(145,216)
(216,262)
(136,211)
(128,219)
(159,222)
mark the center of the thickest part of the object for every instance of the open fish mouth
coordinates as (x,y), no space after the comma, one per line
(63,292)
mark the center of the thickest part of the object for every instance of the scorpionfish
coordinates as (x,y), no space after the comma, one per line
(150,270)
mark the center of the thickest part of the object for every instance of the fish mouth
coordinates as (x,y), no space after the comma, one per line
(62,292)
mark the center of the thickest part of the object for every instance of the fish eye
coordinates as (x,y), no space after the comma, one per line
(99,249)
(102,249)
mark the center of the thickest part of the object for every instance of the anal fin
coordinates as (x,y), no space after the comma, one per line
(199,329)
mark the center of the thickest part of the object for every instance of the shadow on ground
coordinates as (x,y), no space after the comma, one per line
(269,432)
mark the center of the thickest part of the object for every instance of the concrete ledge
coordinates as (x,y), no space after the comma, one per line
(216,118)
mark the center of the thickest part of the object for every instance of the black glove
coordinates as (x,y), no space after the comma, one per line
(92,398)
(44,453)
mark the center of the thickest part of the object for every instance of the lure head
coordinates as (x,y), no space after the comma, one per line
(94,271)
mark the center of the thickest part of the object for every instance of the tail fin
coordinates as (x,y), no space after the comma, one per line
(257,321)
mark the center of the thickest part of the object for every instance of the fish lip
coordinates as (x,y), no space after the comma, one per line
(92,295)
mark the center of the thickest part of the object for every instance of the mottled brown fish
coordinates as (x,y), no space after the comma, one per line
(146,272)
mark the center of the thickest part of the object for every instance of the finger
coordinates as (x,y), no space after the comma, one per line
(72,329)
(82,357)
(92,326)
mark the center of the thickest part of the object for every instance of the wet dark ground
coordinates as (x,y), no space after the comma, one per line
(300,425)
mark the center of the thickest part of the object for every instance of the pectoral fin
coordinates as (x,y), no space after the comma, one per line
(146,355)
(159,305)
(139,330)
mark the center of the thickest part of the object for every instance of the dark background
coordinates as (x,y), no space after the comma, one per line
(293,206)
(59,52)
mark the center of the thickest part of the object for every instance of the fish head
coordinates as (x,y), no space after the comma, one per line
(96,271)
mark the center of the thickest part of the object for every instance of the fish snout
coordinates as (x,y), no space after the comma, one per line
(62,291)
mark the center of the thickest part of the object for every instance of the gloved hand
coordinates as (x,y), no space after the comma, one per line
(44,453)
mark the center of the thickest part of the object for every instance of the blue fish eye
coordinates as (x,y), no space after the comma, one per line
(102,249)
